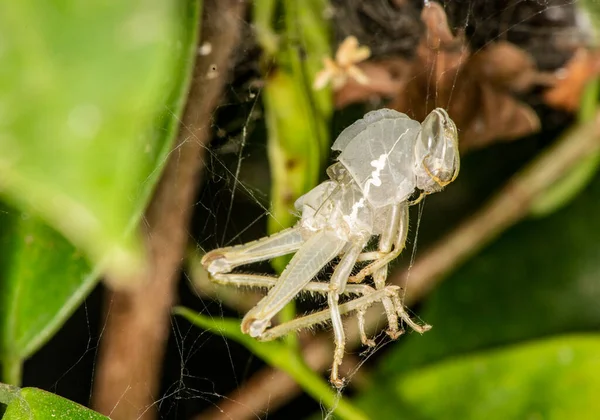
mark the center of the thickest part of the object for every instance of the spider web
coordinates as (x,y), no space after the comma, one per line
(202,370)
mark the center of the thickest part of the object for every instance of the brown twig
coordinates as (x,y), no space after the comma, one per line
(510,205)
(137,324)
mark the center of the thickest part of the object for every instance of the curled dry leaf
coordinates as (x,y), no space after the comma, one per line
(566,93)
(477,88)
(386,77)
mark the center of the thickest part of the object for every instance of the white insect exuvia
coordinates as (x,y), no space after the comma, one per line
(386,160)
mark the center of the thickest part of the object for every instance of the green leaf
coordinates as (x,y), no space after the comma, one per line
(33,403)
(43,278)
(591,9)
(279,355)
(79,86)
(263,12)
(548,379)
(43,275)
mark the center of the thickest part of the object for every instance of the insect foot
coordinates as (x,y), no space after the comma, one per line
(254,327)
(395,334)
(394,293)
(216,263)
(338,382)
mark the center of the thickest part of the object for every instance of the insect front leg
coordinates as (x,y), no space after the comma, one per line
(223,260)
(380,276)
(393,237)
(337,285)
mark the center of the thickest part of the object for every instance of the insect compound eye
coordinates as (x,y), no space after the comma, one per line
(433,131)
(437,151)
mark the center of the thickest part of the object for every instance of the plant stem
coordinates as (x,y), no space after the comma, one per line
(287,314)
(12,371)
(321,391)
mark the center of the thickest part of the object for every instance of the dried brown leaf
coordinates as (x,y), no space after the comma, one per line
(566,94)
(386,78)
(475,87)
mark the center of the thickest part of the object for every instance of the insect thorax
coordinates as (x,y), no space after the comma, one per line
(340,206)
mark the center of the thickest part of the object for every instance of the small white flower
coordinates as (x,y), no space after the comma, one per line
(349,53)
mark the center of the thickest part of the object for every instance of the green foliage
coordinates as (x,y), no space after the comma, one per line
(90,97)
(297,116)
(43,279)
(591,9)
(546,379)
(79,85)
(36,404)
